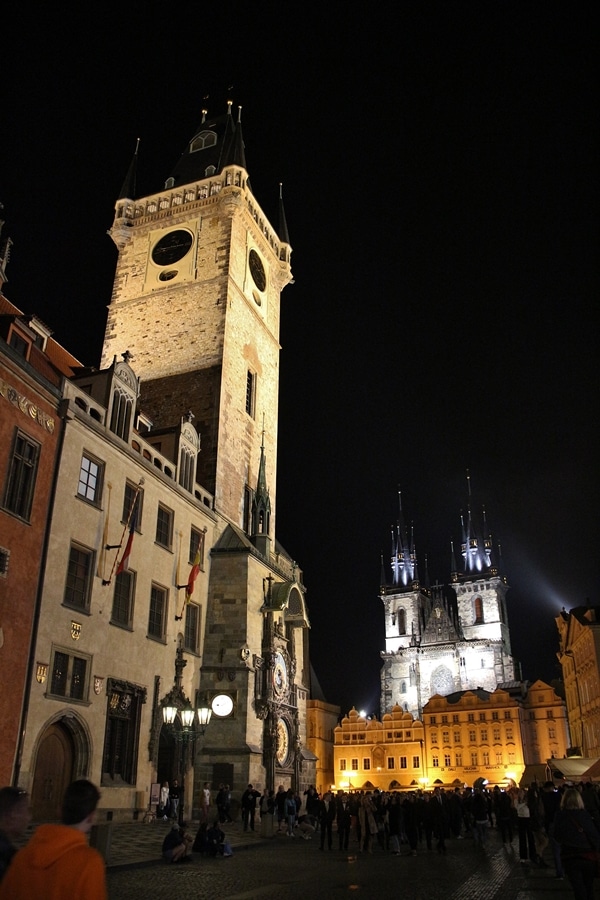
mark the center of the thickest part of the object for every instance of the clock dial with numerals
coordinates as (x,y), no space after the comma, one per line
(172,247)
(257,270)
(280,677)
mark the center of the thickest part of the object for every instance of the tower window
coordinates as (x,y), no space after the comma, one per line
(203,140)
(250,393)
(120,418)
(479,620)
(401,621)
(186,469)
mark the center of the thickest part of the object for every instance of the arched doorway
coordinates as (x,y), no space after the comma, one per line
(168,762)
(54,770)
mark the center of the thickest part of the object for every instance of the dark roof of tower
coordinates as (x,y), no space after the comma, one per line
(218,142)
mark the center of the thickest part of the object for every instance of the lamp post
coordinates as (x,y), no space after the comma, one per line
(184,723)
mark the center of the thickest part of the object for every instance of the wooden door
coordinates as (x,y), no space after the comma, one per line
(53,772)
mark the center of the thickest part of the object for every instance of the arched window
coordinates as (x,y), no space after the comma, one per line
(186,470)
(478,604)
(120,418)
(401,621)
(403,687)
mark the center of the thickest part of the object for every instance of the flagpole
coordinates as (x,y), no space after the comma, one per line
(118,546)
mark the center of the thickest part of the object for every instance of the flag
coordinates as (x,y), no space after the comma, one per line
(124,564)
(193,575)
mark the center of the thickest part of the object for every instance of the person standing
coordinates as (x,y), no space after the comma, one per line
(57,861)
(249,798)
(344,819)
(205,803)
(575,831)
(163,802)
(527,851)
(14,819)
(267,808)
(175,798)
(280,798)
(326,819)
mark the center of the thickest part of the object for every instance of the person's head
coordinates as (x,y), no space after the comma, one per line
(572,799)
(79,805)
(175,783)
(14,812)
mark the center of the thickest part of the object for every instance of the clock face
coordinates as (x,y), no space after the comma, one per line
(222,705)
(257,270)
(283,741)
(280,678)
(172,247)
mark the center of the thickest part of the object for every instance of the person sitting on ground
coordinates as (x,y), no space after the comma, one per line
(177,845)
(57,861)
(14,819)
(200,841)
(307,826)
(216,845)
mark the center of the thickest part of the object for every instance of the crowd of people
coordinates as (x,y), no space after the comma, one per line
(552,827)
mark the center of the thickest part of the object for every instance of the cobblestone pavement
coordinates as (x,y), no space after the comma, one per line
(263,869)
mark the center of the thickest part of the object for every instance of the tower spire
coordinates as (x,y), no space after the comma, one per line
(127,191)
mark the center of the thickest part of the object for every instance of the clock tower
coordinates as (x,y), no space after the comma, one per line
(196,302)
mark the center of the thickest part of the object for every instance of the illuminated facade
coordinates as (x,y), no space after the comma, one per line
(579,656)
(461,737)
(196,302)
(183,417)
(389,754)
(434,646)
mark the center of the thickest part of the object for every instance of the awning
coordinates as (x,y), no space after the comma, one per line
(573,768)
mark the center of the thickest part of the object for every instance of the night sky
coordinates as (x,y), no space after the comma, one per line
(439,168)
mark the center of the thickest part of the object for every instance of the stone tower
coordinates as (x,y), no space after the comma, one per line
(196,303)
(434,645)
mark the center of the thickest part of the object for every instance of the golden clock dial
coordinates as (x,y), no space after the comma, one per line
(283,741)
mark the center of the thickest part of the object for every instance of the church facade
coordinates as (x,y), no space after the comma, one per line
(432,645)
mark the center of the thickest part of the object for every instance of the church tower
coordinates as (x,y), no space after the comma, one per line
(196,302)
(438,644)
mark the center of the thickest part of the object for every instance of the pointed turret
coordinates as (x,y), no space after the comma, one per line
(283,229)
(261,506)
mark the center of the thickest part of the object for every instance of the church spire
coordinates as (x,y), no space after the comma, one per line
(476,542)
(283,229)
(127,191)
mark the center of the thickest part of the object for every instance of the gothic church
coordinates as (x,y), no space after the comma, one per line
(432,645)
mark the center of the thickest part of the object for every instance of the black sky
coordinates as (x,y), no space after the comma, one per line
(439,164)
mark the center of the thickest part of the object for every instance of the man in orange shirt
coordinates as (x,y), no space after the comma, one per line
(57,862)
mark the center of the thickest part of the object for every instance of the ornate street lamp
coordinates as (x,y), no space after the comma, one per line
(179,719)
